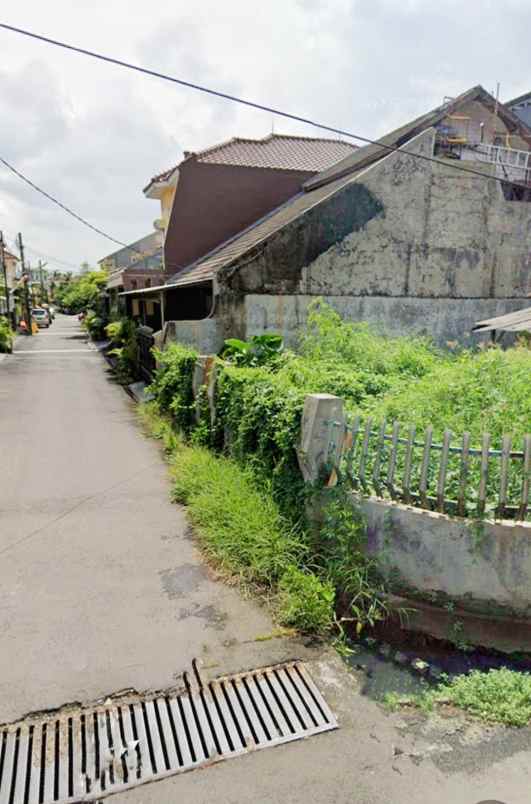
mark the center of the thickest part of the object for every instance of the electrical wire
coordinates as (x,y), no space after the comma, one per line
(13,248)
(59,203)
(243,102)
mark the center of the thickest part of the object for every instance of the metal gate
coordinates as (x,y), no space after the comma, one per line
(146,358)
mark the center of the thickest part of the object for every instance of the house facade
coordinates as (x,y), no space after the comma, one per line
(215,194)
(521,107)
(139,265)
(11,265)
(429,231)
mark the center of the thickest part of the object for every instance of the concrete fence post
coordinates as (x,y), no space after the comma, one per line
(205,377)
(322,434)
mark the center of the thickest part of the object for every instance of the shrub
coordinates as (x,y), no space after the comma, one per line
(6,335)
(473,392)
(327,338)
(258,351)
(500,696)
(94,324)
(120,332)
(305,602)
(172,383)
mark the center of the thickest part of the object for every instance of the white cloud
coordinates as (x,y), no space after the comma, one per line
(93,134)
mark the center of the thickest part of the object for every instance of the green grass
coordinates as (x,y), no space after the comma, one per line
(239,524)
(305,602)
(499,696)
(241,529)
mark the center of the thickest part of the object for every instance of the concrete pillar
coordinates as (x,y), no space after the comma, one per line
(205,377)
(322,435)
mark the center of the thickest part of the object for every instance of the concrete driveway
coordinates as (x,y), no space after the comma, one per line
(102,588)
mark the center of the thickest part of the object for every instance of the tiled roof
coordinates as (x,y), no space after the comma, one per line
(278,151)
(164,176)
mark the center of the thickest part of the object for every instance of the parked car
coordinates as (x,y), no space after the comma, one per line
(41,317)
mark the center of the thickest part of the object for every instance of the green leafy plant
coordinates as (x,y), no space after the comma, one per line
(172,384)
(258,351)
(306,602)
(6,335)
(94,324)
(120,332)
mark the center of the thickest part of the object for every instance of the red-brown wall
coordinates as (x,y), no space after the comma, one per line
(214,202)
(135,280)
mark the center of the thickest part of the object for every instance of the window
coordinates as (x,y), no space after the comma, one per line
(148,283)
(133,284)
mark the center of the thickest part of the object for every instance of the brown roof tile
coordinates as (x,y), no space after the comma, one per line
(277,151)
(280,151)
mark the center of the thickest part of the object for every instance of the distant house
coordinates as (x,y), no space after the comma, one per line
(138,265)
(397,234)
(521,107)
(11,263)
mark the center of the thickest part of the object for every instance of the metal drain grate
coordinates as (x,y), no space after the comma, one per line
(86,754)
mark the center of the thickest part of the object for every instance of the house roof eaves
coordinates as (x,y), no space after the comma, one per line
(520,99)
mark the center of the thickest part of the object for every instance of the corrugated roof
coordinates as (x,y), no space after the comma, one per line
(520,321)
(520,99)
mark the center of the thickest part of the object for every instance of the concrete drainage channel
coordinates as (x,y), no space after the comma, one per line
(87,753)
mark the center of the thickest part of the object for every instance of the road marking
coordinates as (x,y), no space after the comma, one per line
(51,351)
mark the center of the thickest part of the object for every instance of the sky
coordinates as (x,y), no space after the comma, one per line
(93,135)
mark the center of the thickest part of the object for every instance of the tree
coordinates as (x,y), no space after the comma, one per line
(81,293)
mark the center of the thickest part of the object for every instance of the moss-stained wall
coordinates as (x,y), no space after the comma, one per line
(446,246)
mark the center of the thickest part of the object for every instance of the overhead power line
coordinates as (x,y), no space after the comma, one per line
(59,203)
(242,101)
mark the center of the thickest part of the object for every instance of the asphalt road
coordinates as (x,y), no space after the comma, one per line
(102,588)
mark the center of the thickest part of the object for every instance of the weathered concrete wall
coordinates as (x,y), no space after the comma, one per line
(206,335)
(484,567)
(442,319)
(428,249)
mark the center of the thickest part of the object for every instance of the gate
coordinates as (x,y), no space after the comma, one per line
(146,359)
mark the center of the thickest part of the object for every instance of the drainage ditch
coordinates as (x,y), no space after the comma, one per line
(405,662)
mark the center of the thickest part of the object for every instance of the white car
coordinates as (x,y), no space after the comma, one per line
(41,317)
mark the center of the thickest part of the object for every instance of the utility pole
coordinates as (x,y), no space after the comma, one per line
(4,270)
(42,265)
(25,278)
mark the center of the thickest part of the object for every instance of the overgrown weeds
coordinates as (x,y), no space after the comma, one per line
(498,696)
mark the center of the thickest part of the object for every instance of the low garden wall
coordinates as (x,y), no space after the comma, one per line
(204,335)
(483,567)
(409,488)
